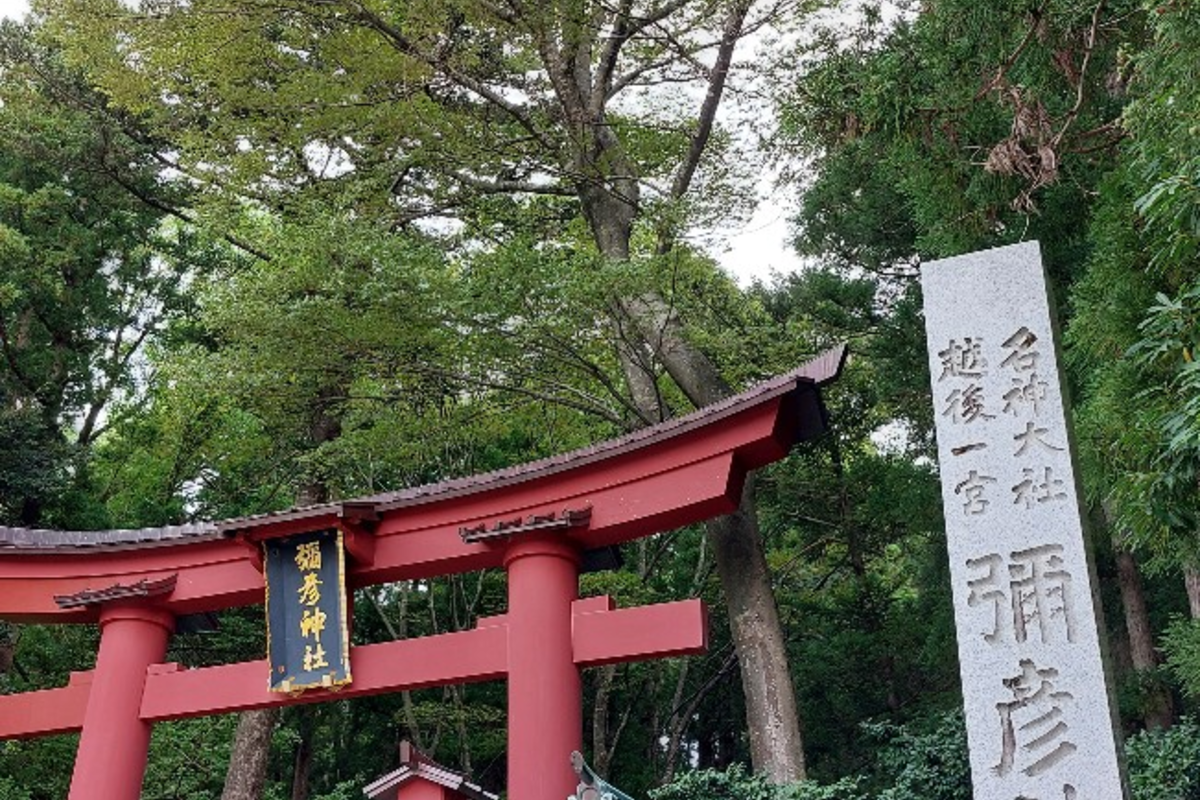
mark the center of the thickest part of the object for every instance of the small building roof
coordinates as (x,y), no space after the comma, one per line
(417,767)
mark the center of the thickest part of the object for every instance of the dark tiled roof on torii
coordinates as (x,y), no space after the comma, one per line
(822,370)
(118,591)
(37,539)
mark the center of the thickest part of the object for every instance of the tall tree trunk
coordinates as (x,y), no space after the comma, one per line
(678,722)
(772,716)
(465,762)
(7,651)
(775,744)
(1191,581)
(601,754)
(1159,709)
(303,756)
(607,183)
(247,774)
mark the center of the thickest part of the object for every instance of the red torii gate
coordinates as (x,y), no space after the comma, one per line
(536,521)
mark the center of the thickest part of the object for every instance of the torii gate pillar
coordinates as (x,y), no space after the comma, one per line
(544,711)
(115,740)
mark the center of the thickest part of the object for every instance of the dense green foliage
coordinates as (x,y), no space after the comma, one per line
(90,272)
(258,258)
(1163,765)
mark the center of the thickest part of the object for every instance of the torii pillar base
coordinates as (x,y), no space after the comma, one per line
(544,691)
(113,747)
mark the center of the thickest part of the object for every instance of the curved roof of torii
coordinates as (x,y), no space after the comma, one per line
(677,472)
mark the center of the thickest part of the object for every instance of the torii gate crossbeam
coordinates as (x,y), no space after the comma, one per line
(535,521)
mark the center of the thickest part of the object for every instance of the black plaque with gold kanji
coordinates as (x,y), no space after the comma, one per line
(308,635)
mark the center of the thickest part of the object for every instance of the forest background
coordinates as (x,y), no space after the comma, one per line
(255,253)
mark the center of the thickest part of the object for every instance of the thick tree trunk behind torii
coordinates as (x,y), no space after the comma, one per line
(772,718)
(1158,711)
(776,748)
(246,777)
(776,744)
(608,188)
(247,774)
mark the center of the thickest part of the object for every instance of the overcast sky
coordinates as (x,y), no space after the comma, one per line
(750,251)
(13,8)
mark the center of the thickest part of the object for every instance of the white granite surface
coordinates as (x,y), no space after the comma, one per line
(1039,714)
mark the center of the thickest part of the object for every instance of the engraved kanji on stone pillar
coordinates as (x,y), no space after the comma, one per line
(1038,706)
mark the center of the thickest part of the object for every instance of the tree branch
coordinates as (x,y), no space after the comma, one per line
(607,65)
(730,35)
(180,214)
(639,24)
(502,186)
(682,714)
(10,356)
(118,365)
(587,404)
(404,45)
(625,80)
(1073,114)
(1012,59)
(564,351)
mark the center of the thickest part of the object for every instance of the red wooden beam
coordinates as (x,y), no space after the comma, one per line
(47,711)
(466,657)
(409,543)
(213,574)
(601,635)
(643,632)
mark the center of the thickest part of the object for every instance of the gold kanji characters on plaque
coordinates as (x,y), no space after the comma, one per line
(312,620)
(309,591)
(314,657)
(308,556)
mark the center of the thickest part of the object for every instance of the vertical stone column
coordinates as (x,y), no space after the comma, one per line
(1040,716)
(545,720)
(114,743)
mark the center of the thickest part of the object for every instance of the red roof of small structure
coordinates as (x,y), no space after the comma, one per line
(415,766)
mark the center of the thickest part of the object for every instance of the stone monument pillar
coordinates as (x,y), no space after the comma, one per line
(1040,716)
